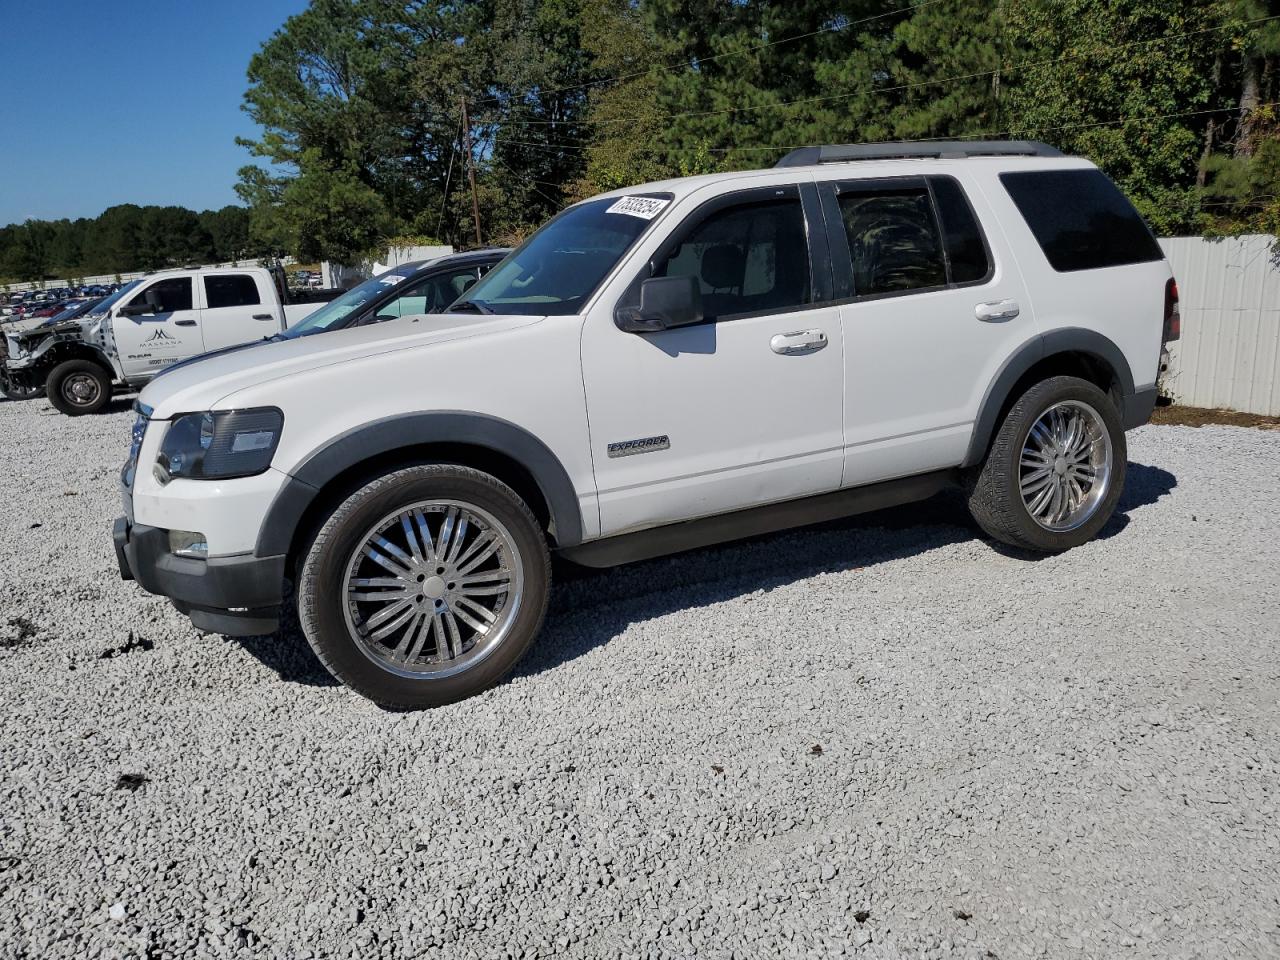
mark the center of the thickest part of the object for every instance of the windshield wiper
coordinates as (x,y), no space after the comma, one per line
(463,305)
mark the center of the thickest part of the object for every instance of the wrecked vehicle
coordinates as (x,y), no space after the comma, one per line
(145,326)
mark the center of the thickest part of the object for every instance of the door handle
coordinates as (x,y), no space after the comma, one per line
(263,316)
(995,311)
(798,342)
(184,323)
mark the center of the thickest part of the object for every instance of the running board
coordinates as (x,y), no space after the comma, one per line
(770,518)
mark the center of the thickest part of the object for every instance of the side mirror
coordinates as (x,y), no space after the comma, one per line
(665,302)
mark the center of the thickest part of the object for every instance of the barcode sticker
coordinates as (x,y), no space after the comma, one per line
(646,208)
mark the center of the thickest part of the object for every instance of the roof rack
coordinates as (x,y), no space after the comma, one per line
(932,150)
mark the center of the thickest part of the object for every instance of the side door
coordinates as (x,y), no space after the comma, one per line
(157,325)
(237,309)
(744,408)
(431,294)
(932,305)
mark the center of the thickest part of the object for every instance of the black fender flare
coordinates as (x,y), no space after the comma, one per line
(405,432)
(1064,340)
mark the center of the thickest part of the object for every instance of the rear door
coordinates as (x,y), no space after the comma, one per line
(167,331)
(238,307)
(932,305)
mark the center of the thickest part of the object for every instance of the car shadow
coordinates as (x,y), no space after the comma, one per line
(589,607)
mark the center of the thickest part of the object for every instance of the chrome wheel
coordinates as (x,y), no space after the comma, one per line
(82,389)
(433,588)
(1065,466)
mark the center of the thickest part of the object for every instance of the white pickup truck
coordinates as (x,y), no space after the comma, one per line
(143,328)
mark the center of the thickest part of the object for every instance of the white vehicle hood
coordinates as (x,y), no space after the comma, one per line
(202,384)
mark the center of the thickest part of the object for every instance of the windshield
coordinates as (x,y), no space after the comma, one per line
(108,302)
(331,315)
(73,311)
(559,267)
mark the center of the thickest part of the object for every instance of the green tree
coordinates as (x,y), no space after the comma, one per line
(29,252)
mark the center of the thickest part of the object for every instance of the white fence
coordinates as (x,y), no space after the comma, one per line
(1229,354)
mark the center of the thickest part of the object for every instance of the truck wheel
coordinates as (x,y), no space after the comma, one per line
(425,586)
(77,387)
(1055,470)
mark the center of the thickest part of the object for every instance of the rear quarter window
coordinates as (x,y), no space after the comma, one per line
(1081,219)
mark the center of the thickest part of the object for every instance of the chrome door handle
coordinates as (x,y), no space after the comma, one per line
(997,310)
(798,342)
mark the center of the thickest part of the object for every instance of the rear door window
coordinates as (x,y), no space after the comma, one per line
(1081,219)
(231,290)
(894,240)
(967,257)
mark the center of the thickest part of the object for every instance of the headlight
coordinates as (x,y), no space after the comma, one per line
(220,444)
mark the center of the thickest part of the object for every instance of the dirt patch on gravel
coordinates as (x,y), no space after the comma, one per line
(1180,416)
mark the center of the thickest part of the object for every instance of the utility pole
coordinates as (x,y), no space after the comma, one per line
(471,169)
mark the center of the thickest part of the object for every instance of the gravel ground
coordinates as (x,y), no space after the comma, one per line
(882,737)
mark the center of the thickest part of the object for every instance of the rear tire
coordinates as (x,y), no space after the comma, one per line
(78,387)
(414,618)
(1055,470)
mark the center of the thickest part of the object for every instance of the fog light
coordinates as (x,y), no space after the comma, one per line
(185,543)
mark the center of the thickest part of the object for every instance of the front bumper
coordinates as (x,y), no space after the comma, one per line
(238,596)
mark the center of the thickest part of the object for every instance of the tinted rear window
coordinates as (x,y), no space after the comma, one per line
(966,252)
(231,290)
(1081,219)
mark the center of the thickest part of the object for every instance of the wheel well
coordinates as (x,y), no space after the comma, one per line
(72,350)
(1071,363)
(490,461)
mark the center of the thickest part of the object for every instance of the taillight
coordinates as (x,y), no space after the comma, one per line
(1172,316)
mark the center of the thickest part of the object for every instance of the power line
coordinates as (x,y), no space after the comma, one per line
(877,91)
(990,134)
(698,61)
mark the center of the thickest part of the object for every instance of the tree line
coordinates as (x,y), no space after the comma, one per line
(124,238)
(360,103)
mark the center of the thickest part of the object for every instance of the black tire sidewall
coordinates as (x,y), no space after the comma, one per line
(321,589)
(68,368)
(1019,422)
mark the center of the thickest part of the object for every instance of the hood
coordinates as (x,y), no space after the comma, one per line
(201,383)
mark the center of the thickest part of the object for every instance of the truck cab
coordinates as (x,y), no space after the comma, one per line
(146,326)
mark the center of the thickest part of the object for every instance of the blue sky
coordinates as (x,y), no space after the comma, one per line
(125,102)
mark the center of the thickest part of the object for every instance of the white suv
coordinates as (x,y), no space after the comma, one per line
(657,369)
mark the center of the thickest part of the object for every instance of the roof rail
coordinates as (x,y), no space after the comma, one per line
(931,149)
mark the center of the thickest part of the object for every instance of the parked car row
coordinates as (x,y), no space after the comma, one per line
(41,304)
(80,355)
(655,369)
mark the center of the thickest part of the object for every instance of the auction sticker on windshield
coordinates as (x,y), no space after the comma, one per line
(646,208)
(390,280)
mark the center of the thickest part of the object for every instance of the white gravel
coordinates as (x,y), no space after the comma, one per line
(883,737)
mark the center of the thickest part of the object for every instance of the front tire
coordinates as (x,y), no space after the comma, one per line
(79,387)
(1055,470)
(14,392)
(425,587)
